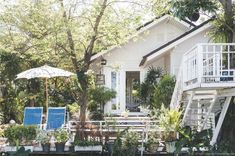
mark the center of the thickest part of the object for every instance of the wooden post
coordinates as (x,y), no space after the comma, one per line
(46,101)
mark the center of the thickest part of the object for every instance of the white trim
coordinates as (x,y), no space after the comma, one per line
(167,48)
(142,30)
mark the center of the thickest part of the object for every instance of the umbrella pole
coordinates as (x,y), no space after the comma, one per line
(46,102)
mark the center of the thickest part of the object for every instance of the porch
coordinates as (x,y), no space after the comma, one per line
(209,66)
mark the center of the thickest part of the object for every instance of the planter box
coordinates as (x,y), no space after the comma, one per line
(10,148)
(88,148)
(29,148)
(13,148)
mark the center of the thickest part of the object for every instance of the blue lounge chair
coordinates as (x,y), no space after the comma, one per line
(33,116)
(55,117)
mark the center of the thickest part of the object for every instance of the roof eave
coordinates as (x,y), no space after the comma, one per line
(169,45)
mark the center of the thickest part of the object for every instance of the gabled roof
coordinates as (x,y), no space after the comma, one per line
(149,22)
(146,26)
(173,41)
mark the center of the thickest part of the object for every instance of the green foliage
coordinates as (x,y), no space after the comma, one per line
(10,65)
(19,134)
(101,95)
(12,105)
(152,142)
(98,97)
(117,147)
(97,115)
(169,120)
(73,108)
(186,8)
(219,31)
(192,139)
(61,135)
(43,136)
(38,31)
(126,143)
(147,88)
(130,143)
(78,142)
(2,133)
(163,91)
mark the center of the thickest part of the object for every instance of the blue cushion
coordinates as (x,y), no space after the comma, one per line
(55,117)
(33,115)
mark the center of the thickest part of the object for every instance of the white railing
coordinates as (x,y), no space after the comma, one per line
(209,63)
(178,90)
(113,125)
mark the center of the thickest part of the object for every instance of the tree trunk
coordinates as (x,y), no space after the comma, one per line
(227,134)
(82,69)
(228,16)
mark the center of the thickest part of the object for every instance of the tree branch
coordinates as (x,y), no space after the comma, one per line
(90,47)
(70,38)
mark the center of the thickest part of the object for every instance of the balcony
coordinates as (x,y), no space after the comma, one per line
(209,66)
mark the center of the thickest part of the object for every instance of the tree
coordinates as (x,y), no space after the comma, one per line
(224,18)
(70,32)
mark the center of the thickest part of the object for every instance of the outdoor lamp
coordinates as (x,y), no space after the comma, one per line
(103,61)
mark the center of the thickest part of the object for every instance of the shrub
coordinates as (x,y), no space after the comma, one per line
(19,134)
(99,96)
(78,142)
(61,136)
(43,137)
(130,143)
(163,92)
(146,90)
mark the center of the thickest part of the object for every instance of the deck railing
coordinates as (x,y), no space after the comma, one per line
(209,63)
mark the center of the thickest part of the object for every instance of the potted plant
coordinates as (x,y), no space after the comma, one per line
(130,142)
(87,145)
(61,137)
(43,137)
(190,140)
(170,120)
(152,143)
(19,135)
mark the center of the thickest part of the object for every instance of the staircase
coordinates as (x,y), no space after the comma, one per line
(205,86)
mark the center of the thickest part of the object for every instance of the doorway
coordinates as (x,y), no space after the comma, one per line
(132,85)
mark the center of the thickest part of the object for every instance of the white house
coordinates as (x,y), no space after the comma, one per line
(160,43)
(205,71)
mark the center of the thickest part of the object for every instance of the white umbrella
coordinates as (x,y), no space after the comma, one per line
(44,72)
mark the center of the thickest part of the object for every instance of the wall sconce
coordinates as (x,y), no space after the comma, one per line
(103,62)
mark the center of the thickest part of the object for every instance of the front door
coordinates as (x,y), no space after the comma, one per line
(132,84)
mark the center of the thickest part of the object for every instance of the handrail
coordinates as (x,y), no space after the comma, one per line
(178,90)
